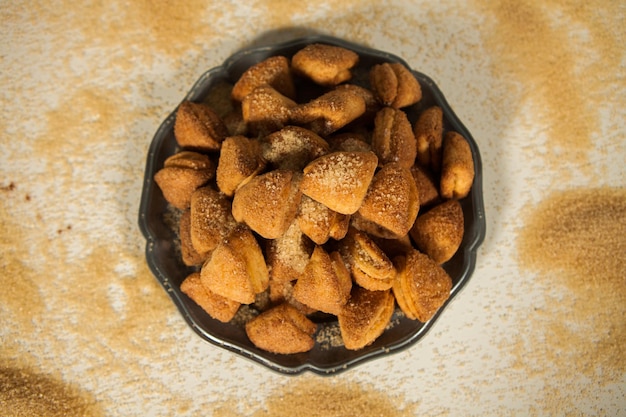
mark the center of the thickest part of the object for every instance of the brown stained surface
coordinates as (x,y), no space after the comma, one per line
(567,88)
(321,399)
(24,393)
(580,233)
(573,242)
(568,243)
(84,324)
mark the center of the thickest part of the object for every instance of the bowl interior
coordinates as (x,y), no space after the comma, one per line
(157,223)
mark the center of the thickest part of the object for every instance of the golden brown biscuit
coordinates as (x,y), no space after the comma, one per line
(218,307)
(292,147)
(372,105)
(364,317)
(282,329)
(421,286)
(427,186)
(339,180)
(189,254)
(181,175)
(349,142)
(211,218)
(268,203)
(236,268)
(239,161)
(391,201)
(392,138)
(409,90)
(198,127)
(364,254)
(439,232)
(325,284)
(326,65)
(330,111)
(274,71)
(370,283)
(395,85)
(319,222)
(371,268)
(288,254)
(384,83)
(457,167)
(265,110)
(428,132)
(190,160)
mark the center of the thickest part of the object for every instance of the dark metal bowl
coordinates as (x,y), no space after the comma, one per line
(164,258)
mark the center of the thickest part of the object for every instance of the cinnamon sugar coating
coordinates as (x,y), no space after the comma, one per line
(268,202)
(457,167)
(370,283)
(236,268)
(395,85)
(181,175)
(325,284)
(274,71)
(198,127)
(211,219)
(265,110)
(439,232)
(282,329)
(392,201)
(371,268)
(421,286)
(372,104)
(239,161)
(427,186)
(340,180)
(365,255)
(216,306)
(392,138)
(330,112)
(288,255)
(349,142)
(326,65)
(319,222)
(292,147)
(365,317)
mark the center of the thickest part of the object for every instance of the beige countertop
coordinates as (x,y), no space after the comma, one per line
(85,329)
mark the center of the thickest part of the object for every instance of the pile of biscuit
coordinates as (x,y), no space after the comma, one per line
(307,192)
